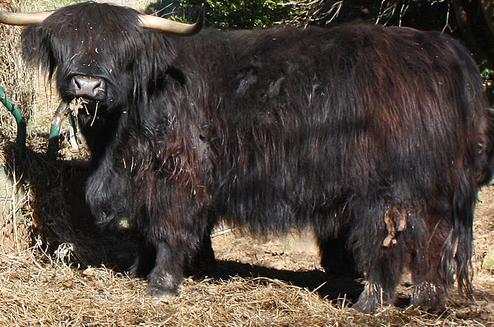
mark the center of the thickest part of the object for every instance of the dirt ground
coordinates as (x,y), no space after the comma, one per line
(295,260)
(484,224)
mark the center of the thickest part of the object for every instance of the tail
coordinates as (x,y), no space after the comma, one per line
(461,241)
(465,196)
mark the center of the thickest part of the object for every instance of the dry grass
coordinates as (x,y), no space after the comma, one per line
(17,81)
(44,290)
(14,77)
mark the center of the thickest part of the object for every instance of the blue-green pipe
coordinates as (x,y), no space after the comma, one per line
(56,123)
(55,128)
(19,118)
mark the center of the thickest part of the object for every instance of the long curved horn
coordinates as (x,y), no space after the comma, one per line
(23,19)
(169,26)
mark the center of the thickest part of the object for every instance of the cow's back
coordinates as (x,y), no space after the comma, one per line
(310,118)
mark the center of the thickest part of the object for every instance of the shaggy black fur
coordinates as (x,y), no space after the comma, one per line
(282,128)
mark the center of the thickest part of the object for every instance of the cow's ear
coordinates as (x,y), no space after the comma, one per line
(37,48)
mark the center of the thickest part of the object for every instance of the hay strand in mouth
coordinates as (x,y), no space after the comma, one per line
(76,104)
(81,103)
(95,114)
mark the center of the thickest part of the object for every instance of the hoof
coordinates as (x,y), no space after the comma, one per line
(365,306)
(132,271)
(159,292)
(428,297)
(370,299)
(164,285)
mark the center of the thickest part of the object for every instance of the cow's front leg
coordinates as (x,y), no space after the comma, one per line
(176,224)
(144,260)
(203,262)
(167,274)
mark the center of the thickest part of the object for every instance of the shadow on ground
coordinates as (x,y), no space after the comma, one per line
(331,287)
(59,212)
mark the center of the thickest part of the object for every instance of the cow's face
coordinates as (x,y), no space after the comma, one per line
(89,52)
(99,52)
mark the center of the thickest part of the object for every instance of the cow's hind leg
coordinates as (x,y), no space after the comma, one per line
(331,231)
(381,262)
(437,252)
(383,277)
(335,258)
(428,296)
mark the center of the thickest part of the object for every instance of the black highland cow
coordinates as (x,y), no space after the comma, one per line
(377,138)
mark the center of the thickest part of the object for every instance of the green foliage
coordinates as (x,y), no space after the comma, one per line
(488,262)
(247,13)
(229,14)
(487,74)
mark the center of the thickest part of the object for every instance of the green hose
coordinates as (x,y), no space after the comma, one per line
(56,123)
(19,118)
(55,128)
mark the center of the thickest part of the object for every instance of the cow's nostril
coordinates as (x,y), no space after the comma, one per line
(76,82)
(99,87)
(88,86)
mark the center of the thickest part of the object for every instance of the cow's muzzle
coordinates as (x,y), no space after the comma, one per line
(88,87)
